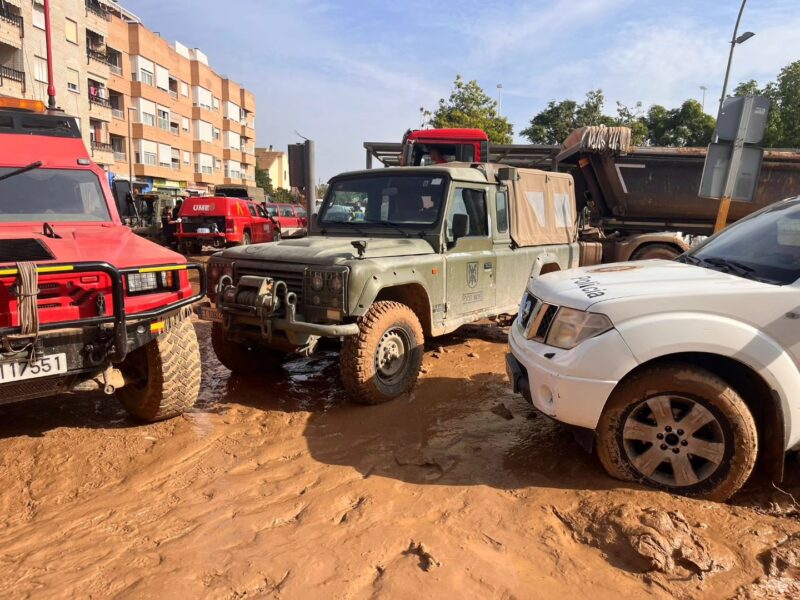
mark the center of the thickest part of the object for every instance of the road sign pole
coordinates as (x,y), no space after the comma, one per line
(722,214)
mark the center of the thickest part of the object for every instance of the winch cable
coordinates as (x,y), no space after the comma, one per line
(27,309)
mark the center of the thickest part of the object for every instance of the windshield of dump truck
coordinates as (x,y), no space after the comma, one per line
(765,247)
(385,199)
(51,195)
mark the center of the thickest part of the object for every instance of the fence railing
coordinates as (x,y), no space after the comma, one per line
(99,101)
(102,146)
(9,17)
(97,9)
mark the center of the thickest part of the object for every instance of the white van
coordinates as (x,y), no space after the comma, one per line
(682,373)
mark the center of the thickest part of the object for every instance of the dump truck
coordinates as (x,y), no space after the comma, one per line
(396,256)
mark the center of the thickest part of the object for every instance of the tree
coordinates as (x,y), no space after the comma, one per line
(554,124)
(282,196)
(263,180)
(322,189)
(687,125)
(470,107)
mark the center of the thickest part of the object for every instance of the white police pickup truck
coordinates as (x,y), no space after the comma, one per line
(682,373)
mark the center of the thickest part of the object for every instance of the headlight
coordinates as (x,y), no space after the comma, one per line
(571,327)
(335,283)
(142,282)
(317,281)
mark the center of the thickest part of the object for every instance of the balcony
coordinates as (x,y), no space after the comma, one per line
(118,113)
(10,28)
(11,80)
(102,153)
(98,10)
(115,69)
(100,57)
(120,156)
(99,101)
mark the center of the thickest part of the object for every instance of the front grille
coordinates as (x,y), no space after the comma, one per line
(546,320)
(535,317)
(23,250)
(292,278)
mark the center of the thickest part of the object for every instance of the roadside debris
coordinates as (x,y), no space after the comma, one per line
(426,559)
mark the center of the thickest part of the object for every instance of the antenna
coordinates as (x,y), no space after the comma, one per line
(51,88)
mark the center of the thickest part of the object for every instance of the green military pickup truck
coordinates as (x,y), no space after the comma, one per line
(398,255)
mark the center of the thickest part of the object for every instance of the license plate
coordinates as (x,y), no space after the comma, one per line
(203,230)
(210,314)
(44,367)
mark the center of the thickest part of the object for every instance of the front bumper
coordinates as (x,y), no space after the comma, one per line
(571,386)
(119,323)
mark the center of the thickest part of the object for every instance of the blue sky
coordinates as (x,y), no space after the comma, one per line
(342,72)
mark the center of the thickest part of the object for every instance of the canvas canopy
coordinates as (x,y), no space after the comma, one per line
(543,209)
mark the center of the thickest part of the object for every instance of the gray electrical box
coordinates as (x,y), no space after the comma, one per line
(733,161)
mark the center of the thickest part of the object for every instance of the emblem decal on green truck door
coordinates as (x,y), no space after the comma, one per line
(472,274)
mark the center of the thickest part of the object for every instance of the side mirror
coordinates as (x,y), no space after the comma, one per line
(460,226)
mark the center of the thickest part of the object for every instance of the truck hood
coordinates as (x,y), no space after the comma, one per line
(600,285)
(114,244)
(319,250)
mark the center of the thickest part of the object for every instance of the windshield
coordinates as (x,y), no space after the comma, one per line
(52,195)
(765,247)
(394,200)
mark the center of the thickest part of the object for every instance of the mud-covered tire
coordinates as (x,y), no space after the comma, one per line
(386,325)
(165,375)
(653,251)
(692,410)
(240,358)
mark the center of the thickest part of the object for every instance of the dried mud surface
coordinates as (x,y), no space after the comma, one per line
(275,486)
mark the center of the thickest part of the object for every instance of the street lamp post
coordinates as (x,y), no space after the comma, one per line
(130,147)
(736,39)
(499,98)
(704,88)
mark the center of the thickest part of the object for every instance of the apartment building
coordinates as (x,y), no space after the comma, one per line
(150,110)
(274,163)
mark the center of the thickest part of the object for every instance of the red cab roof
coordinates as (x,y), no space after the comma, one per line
(448,134)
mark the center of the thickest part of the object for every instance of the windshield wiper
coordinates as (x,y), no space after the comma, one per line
(21,170)
(733,266)
(390,224)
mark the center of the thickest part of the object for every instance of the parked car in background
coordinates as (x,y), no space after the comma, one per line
(292,219)
(221,222)
(683,373)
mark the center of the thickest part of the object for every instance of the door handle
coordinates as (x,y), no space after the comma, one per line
(487,266)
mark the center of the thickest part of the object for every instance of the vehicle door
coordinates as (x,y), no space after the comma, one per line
(256,224)
(470,260)
(265,222)
(289,221)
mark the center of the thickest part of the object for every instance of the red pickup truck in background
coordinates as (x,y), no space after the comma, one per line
(292,219)
(222,222)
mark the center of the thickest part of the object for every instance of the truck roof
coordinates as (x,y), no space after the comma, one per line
(448,134)
(53,139)
(459,171)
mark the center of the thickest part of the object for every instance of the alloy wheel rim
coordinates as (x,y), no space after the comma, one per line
(673,441)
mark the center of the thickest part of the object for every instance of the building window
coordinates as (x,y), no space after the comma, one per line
(71,29)
(184,88)
(187,158)
(150,158)
(146,76)
(163,119)
(215,133)
(215,103)
(149,119)
(38,14)
(73,78)
(40,69)
(185,123)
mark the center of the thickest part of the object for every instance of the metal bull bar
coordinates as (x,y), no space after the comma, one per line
(119,318)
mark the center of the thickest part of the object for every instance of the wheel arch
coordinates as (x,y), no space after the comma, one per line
(415,296)
(761,399)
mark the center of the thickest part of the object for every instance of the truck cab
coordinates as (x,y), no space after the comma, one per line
(452,145)
(399,255)
(85,304)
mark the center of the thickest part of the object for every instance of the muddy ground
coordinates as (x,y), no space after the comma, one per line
(276,486)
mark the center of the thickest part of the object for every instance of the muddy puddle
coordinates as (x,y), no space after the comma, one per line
(276,486)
